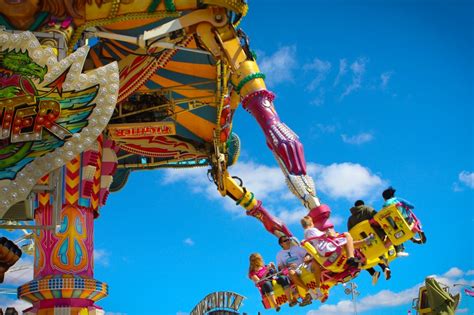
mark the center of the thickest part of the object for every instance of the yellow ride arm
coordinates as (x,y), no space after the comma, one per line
(253,206)
(231,46)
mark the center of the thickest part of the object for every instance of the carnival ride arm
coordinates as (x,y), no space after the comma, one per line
(249,89)
(253,206)
(218,37)
(283,142)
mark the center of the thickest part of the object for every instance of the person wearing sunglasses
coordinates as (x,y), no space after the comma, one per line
(291,257)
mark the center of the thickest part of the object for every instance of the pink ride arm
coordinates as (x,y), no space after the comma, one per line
(289,150)
(281,139)
(320,216)
(272,224)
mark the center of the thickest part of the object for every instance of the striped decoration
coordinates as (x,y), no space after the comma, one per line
(72,181)
(44,197)
(63,286)
(96,181)
(188,80)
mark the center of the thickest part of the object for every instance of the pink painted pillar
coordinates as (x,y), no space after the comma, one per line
(64,264)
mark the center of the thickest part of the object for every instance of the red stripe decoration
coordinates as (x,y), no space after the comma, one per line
(72,178)
(96,182)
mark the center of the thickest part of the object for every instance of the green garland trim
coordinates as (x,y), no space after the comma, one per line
(248,78)
(240,200)
(170,7)
(254,54)
(249,202)
(153,5)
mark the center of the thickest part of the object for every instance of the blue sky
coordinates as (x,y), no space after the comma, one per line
(380,93)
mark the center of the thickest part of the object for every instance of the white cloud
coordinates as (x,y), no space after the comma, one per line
(319,100)
(385,78)
(358,71)
(453,273)
(342,71)
(326,128)
(457,187)
(467,178)
(346,180)
(101,257)
(338,220)
(19,305)
(462,310)
(188,241)
(279,66)
(386,298)
(290,217)
(320,68)
(20,273)
(182,313)
(115,313)
(470,273)
(264,181)
(267,183)
(358,139)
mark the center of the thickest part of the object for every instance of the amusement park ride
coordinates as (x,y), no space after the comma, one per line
(92,90)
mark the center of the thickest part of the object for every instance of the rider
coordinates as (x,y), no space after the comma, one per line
(360,212)
(291,256)
(258,271)
(325,247)
(402,205)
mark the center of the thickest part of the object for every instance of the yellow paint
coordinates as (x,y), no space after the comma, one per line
(197,125)
(237,191)
(43,198)
(123,47)
(394,225)
(234,100)
(116,51)
(197,70)
(48,295)
(185,90)
(94,12)
(73,183)
(423,301)
(66,293)
(376,247)
(95,58)
(205,32)
(337,266)
(73,238)
(240,7)
(308,279)
(192,44)
(247,68)
(96,183)
(234,51)
(131,24)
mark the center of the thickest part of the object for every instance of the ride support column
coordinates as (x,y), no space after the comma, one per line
(64,263)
